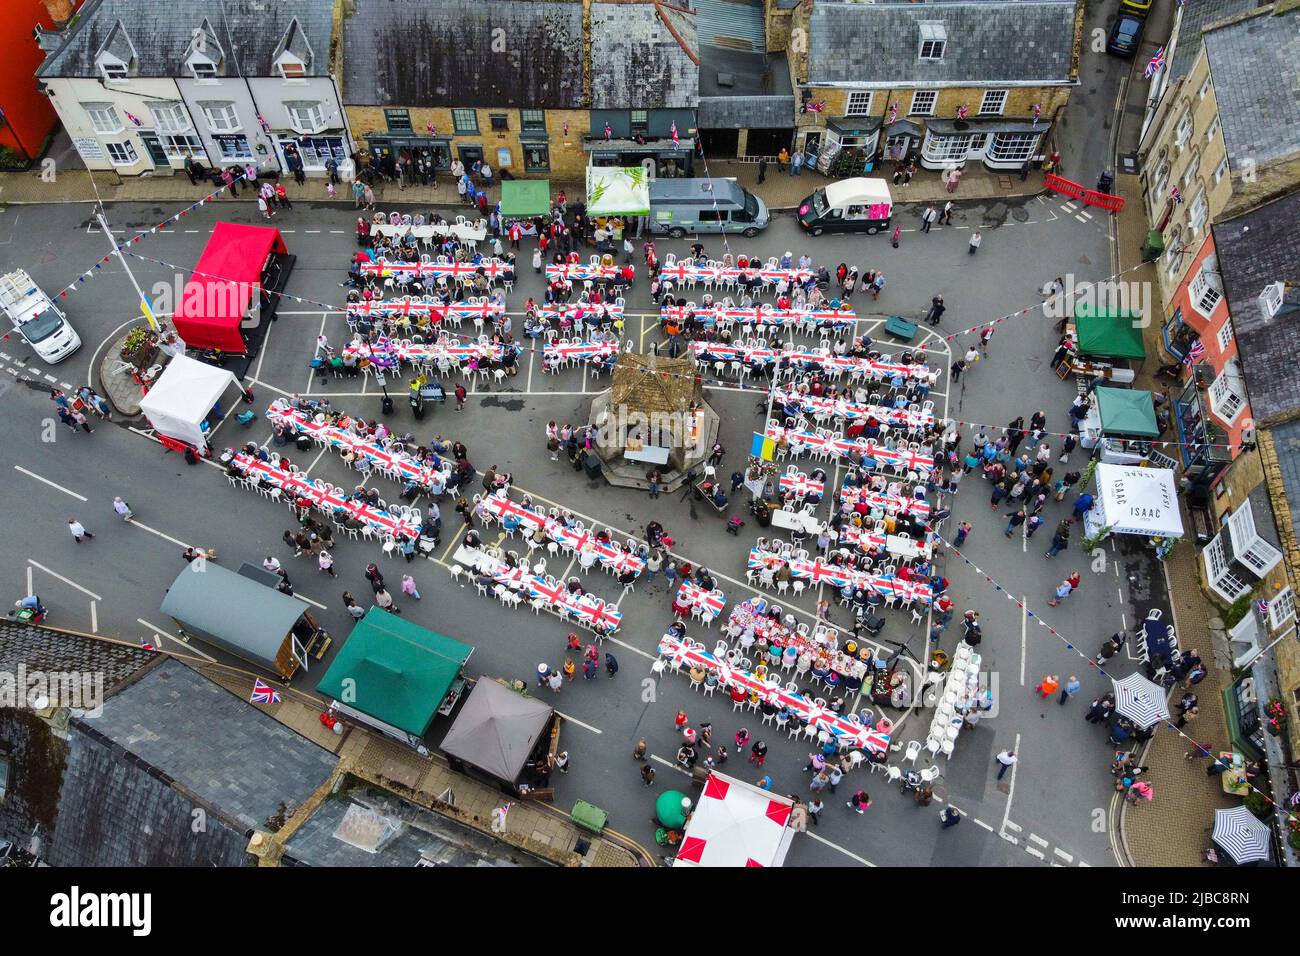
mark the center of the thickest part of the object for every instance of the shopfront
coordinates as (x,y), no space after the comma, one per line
(1203,445)
(385,144)
(1000,144)
(664,158)
(315,151)
(1178,337)
(849,147)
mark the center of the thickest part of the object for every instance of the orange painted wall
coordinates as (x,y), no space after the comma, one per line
(29,117)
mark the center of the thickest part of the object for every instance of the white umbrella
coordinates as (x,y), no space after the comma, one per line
(1140,700)
(1242,835)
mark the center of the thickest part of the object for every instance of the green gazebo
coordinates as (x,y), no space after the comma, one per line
(525,198)
(1127,413)
(1109,333)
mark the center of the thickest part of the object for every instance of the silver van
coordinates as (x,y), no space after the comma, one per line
(699,206)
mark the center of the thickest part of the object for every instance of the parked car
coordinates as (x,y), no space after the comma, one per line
(1125,34)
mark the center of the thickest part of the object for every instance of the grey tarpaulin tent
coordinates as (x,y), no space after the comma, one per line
(497,729)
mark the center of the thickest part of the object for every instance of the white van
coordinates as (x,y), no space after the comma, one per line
(36,318)
(850,205)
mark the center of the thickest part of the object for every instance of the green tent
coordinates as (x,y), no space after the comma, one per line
(617,191)
(525,198)
(394,671)
(1127,413)
(1109,333)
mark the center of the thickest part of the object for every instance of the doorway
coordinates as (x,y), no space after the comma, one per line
(469,155)
(157,154)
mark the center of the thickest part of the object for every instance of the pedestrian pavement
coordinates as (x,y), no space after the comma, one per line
(1174,829)
(779,190)
(543,831)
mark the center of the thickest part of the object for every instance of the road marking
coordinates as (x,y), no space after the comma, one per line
(1063,855)
(574,720)
(1009,838)
(309,601)
(1083,218)
(161,633)
(1024,633)
(1033,852)
(166,537)
(1039,840)
(94,617)
(634,650)
(983,824)
(1007,824)
(670,765)
(32,474)
(67,581)
(1011,788)
(50,378)
(315,461)
(835,846)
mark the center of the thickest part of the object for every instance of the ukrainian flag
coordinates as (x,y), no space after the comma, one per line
(762,447)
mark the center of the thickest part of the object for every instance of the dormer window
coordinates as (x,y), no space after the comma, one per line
(204,56)
(933,40)
(202,67)
(1270,300)
(290,67)
(113,69)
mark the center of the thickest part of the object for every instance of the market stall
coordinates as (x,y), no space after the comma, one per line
(617,191)
(525,198)
(500,733)
(1103,343)
(183,401)
(1133,500)
(736,824)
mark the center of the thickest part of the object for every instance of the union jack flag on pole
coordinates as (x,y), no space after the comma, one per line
(1195,354)
(1176,195)
(1156,65)
(263,693)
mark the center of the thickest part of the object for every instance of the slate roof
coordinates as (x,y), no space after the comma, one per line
(760,96)
(45,650)
(415,835)
(1249,260)
(987,42)
(228,753)
(1255,64)
(440,53)
(643,56)
(161,31)
(1286,442)
(1195,18)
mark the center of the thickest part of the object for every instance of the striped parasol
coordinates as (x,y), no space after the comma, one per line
(1242,835)
(1140,700)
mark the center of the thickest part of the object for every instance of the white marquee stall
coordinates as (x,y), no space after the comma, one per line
(736,824)
(1132,500)
(182,398)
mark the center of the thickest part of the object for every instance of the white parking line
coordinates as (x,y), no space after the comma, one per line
(983,824)
(1009,838)
(1037,839)
(32,474)
(67,581)
(161,632)
(1032,852)
(308,600)
(835,846)
(1063,855)
(574,720)
(165,537)
(669,764)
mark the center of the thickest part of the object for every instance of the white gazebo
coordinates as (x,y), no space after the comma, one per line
(736,824)
(183,397)
(1133,500)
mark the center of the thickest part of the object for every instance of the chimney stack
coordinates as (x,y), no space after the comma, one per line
(60,11)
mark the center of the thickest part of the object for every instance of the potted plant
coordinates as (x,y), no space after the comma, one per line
(1257,804)
(1275,717)
(140,347)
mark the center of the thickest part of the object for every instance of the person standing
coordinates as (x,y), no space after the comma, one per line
(1006,760)
(639,751)
(326,562)
(950,817)
(796,165)
(762,168)
(78,530)
(815,808)
(384,600)
(1015,522)
(408,586)
(79,420)
(123,509)
(648,775)
(945,217)
(562,761)
(955,370)
(782,158)
(282,196)
(1072,687)
(937,309)
(758,753)
(1047,686)
(859,801)
(975,240)
(263,208)
(928,218)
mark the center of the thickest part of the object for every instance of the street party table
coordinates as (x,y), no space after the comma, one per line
(716,272)
(846,410)
(761,315)
(843,447)
(801,486)
(691,595)
(818,571)
(688,654)
(894,504)
(810,359)
(450,349)
(584,309)
(581,271)
(407,306)
(579,350)
(323,498)
(493,268)
(323,433)
(499,505)
(862,538)
(587,609)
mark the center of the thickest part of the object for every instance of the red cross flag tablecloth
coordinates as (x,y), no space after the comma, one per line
(581,271)
(499,505)
(688,655)
(692,595)
(323,499)
(557,312)
(846,410)
(492,268)
(335,437)
(891,503)
(902,457)
(801,485)
(579,350)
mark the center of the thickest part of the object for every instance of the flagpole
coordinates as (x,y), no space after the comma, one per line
(145,308)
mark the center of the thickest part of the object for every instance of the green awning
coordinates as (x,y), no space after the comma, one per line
(395,671)
(617,191)
(1127,413)
(1110,333)
(526,197)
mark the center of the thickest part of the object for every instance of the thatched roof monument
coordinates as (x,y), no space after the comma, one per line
(653,415)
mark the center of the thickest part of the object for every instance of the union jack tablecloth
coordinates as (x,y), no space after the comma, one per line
(913,506)
(692,595)
(913,460)
(846,410)
(492,268)
(839,318)
(581,271)
(335,437)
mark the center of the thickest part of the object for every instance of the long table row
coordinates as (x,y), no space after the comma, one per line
(611,556)
(818,571)
(806,440)
(584,609)
(845,410)
(761,315)
(811,359)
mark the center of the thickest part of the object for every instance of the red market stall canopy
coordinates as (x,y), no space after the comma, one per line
(227,277)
